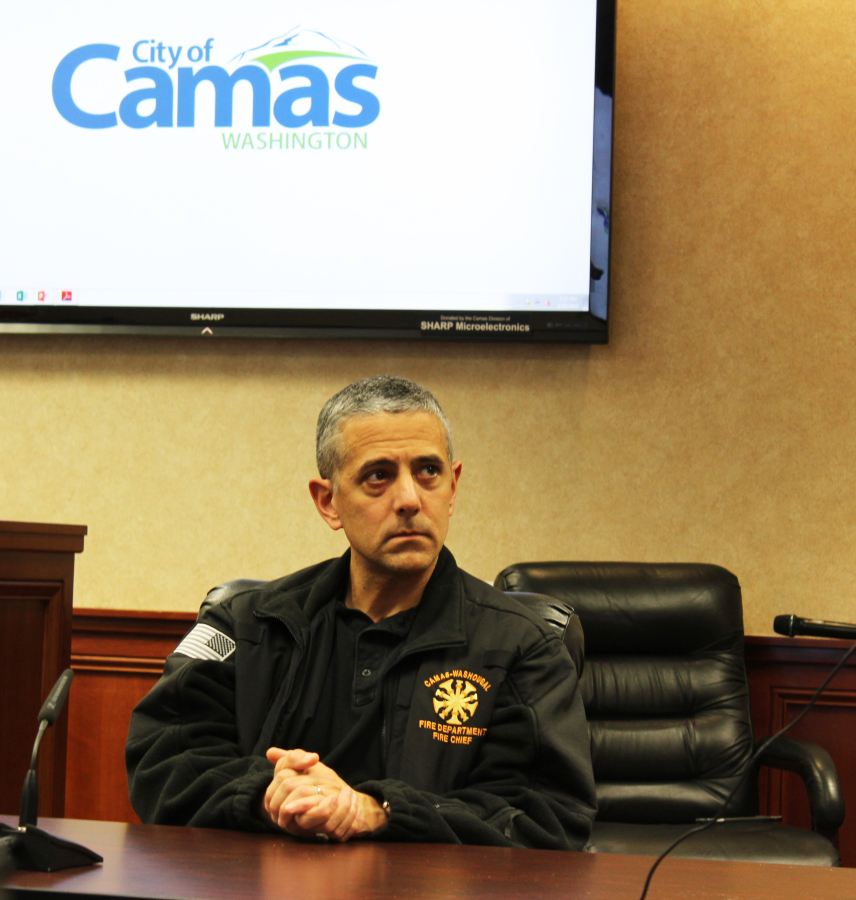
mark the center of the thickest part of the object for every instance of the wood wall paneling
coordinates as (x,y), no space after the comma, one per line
(117,657)
(783,675)
(829,724)
(36,596)
(26,608)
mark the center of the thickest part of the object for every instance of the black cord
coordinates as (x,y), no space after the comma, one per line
(749,766)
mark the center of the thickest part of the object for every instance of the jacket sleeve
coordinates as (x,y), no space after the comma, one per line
(182,755)
(532,785)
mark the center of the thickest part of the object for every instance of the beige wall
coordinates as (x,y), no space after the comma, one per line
(717,426)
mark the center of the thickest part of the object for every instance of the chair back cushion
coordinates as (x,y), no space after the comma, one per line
(664,683)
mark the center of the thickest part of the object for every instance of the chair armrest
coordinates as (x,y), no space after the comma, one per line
(816,768)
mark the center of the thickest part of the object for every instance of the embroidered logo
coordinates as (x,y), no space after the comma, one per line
(456,701)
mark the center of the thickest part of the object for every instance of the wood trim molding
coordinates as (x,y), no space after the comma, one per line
(763,650)
(125,641)
(788,702)
(117,665)
(39,537)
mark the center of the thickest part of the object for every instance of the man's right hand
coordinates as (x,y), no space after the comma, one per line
(307,798)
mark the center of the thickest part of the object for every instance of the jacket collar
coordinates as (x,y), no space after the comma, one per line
(439,618)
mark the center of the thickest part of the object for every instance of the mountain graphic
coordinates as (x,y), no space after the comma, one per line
(299,43)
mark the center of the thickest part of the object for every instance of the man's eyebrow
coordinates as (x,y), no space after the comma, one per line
(432,459)
(376,463)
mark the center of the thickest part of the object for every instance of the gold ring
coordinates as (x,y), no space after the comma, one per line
(317,787)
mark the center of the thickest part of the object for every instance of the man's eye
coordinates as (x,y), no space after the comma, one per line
(376,476)
(431,471)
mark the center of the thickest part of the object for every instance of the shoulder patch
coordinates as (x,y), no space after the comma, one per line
(205,642)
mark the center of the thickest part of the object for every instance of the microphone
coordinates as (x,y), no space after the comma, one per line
(32,848)
(792,626)
(52,707)
(48,715)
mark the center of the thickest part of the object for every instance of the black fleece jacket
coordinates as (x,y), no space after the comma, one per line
(484,738)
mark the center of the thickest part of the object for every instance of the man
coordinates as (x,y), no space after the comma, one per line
(386,694)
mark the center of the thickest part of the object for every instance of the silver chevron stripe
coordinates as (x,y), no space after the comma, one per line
(205,642)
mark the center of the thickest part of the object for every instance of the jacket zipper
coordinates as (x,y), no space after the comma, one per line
(438,646)
(290,686)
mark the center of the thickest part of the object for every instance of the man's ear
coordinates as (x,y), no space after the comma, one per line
(323,494)
(456,474)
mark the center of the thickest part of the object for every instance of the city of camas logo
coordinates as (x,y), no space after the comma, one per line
(455,701)
(169,98)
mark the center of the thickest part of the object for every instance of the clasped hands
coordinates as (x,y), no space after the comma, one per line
(307,799)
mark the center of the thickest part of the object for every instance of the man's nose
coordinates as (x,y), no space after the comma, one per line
(407,496)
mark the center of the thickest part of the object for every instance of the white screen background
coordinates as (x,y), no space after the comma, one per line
(476,181)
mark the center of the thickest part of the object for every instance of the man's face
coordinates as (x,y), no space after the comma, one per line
(396,491)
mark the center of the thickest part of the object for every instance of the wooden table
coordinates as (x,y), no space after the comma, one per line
(153,861)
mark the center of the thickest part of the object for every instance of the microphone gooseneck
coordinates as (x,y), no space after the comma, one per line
(48,715)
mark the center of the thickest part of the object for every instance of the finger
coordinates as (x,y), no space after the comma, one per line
(269,792)
(325,776)
(291,759)
(345,817)
(338,813)
(275,794)
(302,794)
(274,809)
(316,817)
(283,788)
(281,785)
(289,791)
(288,813)
(288,781)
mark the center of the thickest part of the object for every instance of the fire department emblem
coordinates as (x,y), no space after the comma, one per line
(455,701)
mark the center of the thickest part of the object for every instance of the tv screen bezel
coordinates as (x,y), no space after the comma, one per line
(404,324)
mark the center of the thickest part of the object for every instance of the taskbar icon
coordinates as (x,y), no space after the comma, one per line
(36,296)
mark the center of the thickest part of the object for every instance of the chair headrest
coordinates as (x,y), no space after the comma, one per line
(640,608)
(224,591)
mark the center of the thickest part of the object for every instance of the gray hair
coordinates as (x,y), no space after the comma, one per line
(379,394)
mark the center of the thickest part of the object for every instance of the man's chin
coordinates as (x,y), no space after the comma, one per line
(408,561)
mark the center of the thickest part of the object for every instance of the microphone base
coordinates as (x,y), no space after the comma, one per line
(32,848)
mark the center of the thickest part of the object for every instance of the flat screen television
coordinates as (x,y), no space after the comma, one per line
(367,168)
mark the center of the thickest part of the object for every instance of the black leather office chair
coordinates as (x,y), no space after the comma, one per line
(667,702)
